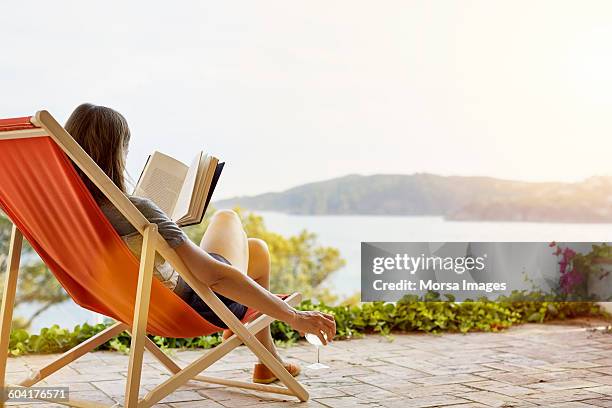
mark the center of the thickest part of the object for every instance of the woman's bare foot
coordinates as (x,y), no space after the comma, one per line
(263,375)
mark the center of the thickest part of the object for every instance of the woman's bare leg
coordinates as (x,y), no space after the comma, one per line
(226,237)
(259,271)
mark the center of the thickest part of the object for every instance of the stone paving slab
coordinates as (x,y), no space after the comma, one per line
(553,365)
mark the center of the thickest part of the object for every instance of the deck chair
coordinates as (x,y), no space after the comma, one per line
(50,206)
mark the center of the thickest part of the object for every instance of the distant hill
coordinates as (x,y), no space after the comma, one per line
(454,197)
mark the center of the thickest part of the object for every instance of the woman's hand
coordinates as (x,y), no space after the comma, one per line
(322,325)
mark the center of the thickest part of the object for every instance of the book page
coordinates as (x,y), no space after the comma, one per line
(185,197)
(200,182)
(206,184)
(162,181)
(208,174)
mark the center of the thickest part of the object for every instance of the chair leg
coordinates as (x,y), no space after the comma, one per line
(254,327)
(8,303)
(252,343)
(141,311)
(192,370)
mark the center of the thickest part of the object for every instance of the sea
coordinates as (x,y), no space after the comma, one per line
(346,232)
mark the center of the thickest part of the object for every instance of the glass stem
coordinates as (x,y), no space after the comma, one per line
(318,348)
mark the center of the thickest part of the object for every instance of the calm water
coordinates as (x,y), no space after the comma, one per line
(347,232)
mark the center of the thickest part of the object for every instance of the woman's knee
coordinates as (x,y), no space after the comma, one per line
(227,221)
(225,236)
(228,215)
(259,262)
(258,249)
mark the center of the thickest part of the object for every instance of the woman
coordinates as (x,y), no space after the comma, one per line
(237,268)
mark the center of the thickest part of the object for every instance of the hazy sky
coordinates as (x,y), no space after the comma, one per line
(292,92)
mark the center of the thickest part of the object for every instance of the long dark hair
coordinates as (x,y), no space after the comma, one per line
(104,134)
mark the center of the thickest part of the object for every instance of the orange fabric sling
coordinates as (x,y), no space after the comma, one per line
(45,198)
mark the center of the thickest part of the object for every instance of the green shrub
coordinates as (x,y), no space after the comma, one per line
(406,315)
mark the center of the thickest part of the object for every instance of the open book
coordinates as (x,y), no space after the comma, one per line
(182,192)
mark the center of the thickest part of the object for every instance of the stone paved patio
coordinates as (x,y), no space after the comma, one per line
(564,365)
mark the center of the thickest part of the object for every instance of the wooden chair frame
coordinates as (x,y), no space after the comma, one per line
(152,242)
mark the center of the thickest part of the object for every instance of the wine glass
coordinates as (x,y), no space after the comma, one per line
(315,341)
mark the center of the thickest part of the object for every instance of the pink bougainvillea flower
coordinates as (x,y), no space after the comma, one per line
(562,266)
(570,276)
(570,280)
(569,252)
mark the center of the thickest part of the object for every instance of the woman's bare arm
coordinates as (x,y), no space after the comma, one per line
(232,283)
